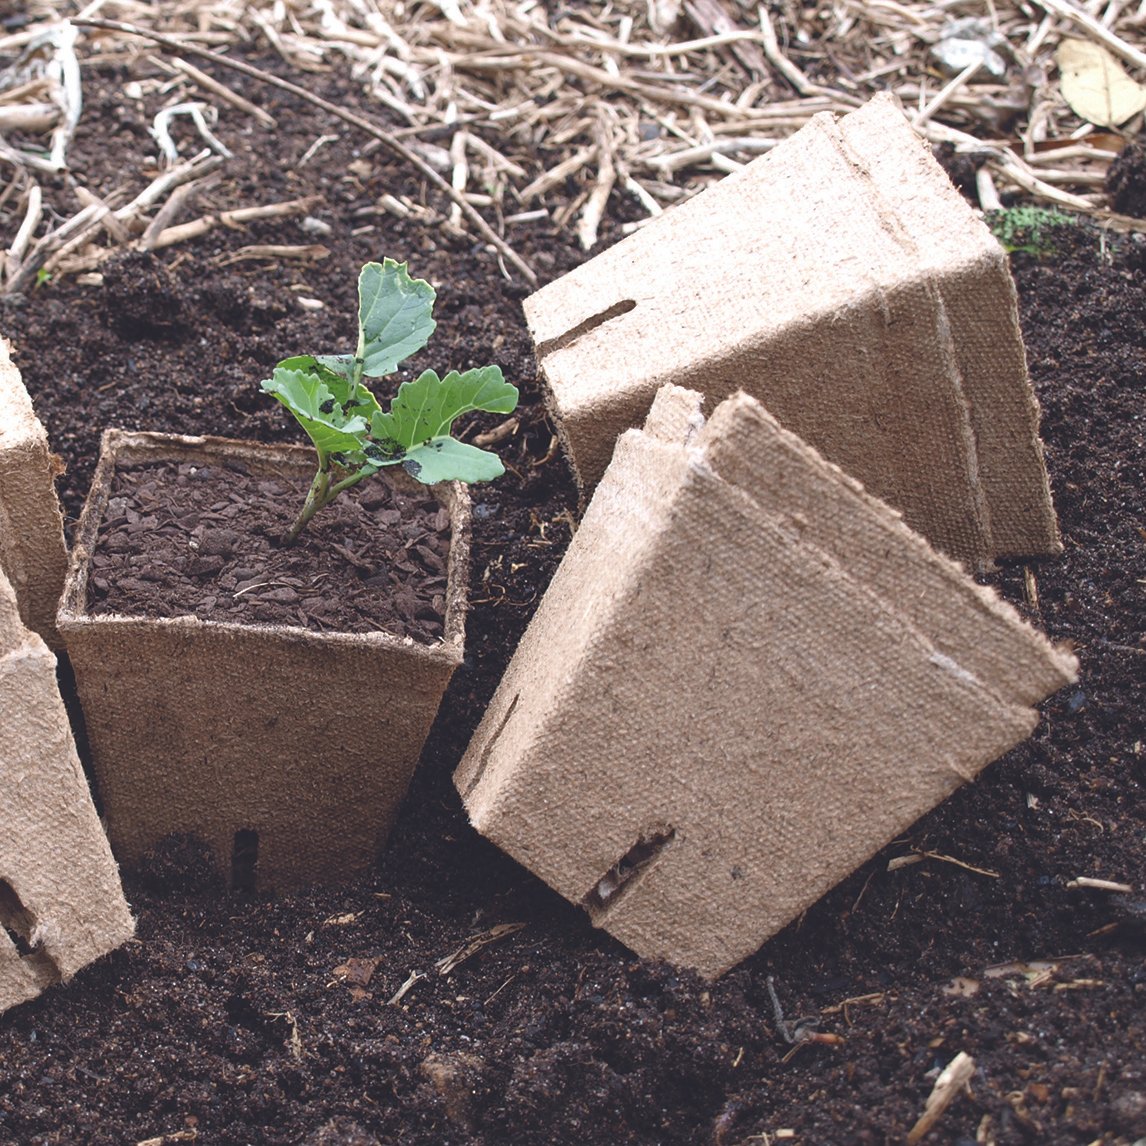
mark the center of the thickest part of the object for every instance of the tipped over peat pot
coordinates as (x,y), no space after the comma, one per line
(287,750)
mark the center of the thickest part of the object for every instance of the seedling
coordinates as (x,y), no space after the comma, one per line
(1028,229)
(352,435)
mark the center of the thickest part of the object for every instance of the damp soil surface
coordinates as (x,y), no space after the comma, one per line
(206,539)
(371,1013)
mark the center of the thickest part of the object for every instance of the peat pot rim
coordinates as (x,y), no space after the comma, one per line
(131,446)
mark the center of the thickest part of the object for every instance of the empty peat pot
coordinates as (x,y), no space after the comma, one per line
(287,750)
(61,904)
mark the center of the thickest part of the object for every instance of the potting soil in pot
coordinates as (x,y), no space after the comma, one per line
(182,538)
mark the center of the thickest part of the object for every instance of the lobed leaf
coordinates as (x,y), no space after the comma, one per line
(425,408)
(447,459)
(394,316)
(305,393)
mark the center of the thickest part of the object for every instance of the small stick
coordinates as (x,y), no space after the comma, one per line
(24,159)
(69,95)
(28,116)
(781,62)
(111,224)
(689,156)
(557,174)
(635,189)
(959,863)
(474,944)
(652,51)
(161,130)
(498,434)
(77,225)
(945,93)
(1097,29)
(166,236)
(594,210)
(61,242)
(1017,173)
(209,83)
(363,124)
(460,175)
(414,979)
(315,148)
(985,188)
(20,93)
(275,251)
(33,213)
(164,217)
(491,154)
(1084,881)
(954,1078)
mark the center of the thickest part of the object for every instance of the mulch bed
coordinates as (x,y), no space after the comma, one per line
(401,1008)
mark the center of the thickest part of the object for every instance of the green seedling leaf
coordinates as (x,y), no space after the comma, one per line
(339,385)
(1029,229)
(426,408)
(306,395)
(394,316)
(447,459)
(353,436)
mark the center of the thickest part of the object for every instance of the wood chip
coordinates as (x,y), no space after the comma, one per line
(954,1078)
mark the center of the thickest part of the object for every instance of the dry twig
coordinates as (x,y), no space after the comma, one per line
(384,137)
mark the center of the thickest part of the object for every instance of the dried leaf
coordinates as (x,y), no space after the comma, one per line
(356,971)
(1096,85)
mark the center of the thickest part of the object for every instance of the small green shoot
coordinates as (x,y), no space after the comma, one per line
(1027,228)
(352,435)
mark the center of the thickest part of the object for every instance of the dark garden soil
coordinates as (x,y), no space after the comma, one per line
(255,1020)
(208,539)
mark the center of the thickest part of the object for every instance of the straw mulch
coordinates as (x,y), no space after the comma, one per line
(531,111)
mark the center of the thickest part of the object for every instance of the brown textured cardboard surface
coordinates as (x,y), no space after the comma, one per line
(60,894)
(203,727)
(845,283)
(746,677)
(32,551)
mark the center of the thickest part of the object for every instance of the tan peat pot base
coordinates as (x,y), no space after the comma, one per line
(61,904)
(287,751)
(745,678)
(844,282)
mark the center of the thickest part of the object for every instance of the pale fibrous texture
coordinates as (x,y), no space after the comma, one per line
(286,751)
(746,677)
(844,282)
(33,556)
(61,904)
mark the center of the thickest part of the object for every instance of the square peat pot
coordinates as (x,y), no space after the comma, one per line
(285,749)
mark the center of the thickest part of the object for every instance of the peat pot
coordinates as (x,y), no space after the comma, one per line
(286,750)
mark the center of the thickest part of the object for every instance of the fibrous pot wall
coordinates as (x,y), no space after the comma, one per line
(843,281)
(747,676)
(287,751)
(61,904)
(32,552)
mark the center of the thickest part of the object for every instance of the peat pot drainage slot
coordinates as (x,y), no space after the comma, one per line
(244,859)
(583,328)
(625,872)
